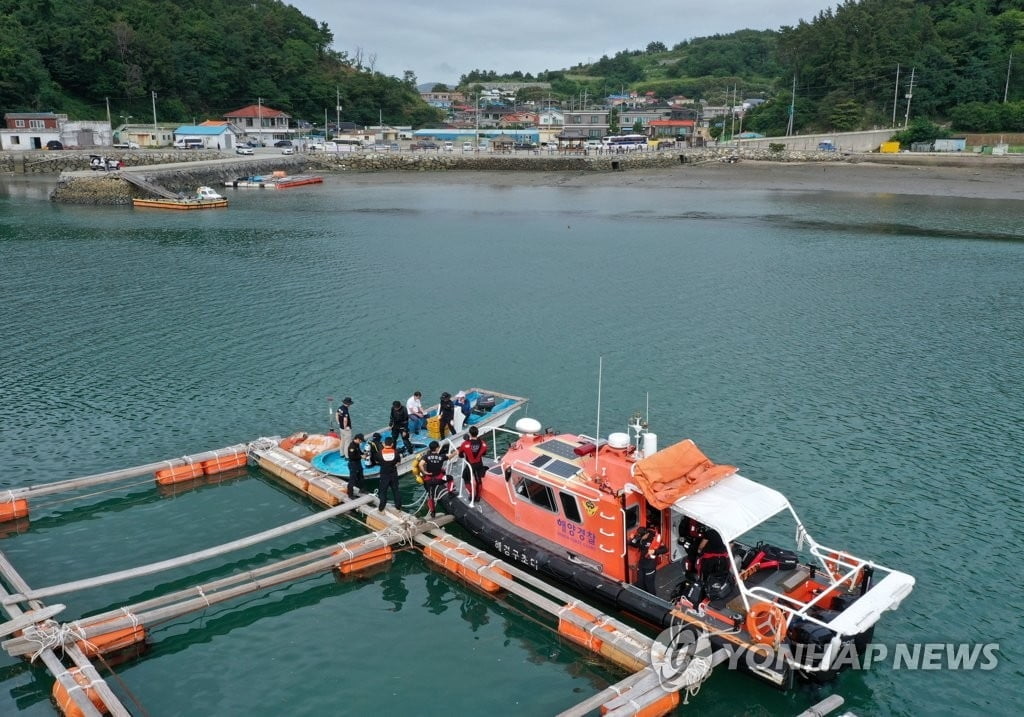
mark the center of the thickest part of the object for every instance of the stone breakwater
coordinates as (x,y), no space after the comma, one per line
(183,171)
(552,162)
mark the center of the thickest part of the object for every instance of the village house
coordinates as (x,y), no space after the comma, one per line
(261,123)
(30,130)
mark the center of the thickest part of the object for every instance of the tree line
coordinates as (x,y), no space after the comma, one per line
(201,58)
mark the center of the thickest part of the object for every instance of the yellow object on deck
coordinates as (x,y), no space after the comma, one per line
(434,427)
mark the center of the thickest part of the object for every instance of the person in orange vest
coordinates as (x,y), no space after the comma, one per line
(389,458)
(473,449)
(647,540)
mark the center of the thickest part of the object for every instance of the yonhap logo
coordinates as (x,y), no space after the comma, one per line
(681,658)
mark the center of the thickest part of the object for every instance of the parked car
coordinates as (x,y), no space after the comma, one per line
(54,144)
(467,146)
(423,145)
(283,143)
(188,144)
(126,145)
(395,147)
(243,150)
(287,150)
(524,145)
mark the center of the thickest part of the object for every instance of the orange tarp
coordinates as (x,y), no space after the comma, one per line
(677,471)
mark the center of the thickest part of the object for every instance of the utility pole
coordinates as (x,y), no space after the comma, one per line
(259,118)
(108,108)
(1006,88)
(337,109)
(732,115)
(910,96)
(896,96)
(153,92)
(792,109)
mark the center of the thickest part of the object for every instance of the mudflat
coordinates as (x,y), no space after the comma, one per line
(977,180)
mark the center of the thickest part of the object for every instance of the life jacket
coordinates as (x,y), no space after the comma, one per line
(474,449)
(388,454)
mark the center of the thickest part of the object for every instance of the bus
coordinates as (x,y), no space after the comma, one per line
(624,142)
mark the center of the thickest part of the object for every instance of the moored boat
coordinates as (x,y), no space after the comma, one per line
(277,180)
(490,409)
(204,198)
(678,541)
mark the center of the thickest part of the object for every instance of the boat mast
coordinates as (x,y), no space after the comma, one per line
(597,430)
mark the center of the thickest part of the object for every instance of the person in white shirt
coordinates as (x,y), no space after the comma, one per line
(417,419)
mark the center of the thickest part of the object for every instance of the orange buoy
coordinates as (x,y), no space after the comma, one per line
(169,476)
(766,623)
(13,509)
(224,463)
(361,562)
(112,641)
(62,696)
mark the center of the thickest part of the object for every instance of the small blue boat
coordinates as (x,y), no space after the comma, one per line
(490,410)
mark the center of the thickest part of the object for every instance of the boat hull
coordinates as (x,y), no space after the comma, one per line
(180,204)
(520,550)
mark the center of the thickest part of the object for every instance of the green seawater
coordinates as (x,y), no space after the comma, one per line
(861,353)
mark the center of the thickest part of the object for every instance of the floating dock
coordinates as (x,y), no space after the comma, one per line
(33,631)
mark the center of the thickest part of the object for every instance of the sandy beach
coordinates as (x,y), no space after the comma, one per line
(983,181)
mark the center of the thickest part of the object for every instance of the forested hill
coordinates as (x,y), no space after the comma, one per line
(202,58)
(844,62)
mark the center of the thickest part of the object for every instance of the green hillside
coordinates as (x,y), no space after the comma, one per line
(201,58)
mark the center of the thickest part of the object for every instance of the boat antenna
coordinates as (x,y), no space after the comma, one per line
(330,413)
(597,430)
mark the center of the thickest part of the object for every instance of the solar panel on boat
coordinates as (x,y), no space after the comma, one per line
(540,460)
(559,448)
(562,469)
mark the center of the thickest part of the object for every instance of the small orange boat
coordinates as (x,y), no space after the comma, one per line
(678,541)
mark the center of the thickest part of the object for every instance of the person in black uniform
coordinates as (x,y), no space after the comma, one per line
(373,449)
(345,423)
(647,540)
(389,458)
(434,476)
(446,412)
(354,455)
(399,425)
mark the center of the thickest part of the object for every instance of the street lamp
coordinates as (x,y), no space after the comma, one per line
(124,119)
(476,145)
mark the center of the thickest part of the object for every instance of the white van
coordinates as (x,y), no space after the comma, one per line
(448,147)
(189,144)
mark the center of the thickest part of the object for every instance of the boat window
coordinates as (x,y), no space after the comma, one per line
(570,507)
(632,517)
(537,493)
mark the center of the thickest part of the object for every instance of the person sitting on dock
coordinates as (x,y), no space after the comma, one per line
(434,475)
(354,454)
(473,449)
(389,459)
(446,412)
(465,410)
(399,425)
(417,418)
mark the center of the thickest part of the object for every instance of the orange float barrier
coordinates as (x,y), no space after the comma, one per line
(67,705)
(580,635)
(366,560)
(224,463)
(169,476)
(13,509)
(439,551)
(112,641)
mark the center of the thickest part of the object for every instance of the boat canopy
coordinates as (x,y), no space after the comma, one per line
(733,506)
(679,470)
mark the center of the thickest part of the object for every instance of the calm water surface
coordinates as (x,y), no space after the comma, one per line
(861,353)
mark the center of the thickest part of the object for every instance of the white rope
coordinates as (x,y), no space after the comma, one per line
(132,616)
(199,589)
(694,676)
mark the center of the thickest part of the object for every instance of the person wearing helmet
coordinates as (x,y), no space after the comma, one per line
(446,412)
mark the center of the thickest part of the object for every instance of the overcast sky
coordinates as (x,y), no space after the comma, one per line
(440,41)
